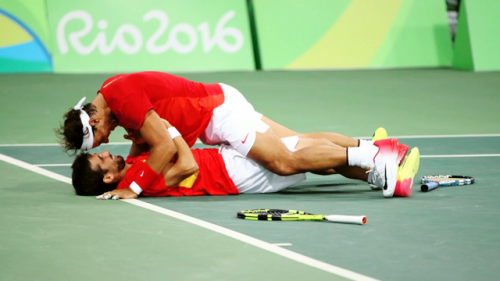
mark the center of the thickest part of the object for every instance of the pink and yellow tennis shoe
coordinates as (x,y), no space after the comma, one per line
(381,134)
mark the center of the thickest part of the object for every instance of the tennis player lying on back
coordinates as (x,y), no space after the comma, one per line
(221,171)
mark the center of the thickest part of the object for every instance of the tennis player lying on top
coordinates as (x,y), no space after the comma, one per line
(221,171)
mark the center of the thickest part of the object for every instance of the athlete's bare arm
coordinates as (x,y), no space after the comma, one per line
(155,133)
(184,167)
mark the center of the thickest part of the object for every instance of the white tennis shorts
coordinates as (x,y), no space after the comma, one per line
(234,122)
(250,177)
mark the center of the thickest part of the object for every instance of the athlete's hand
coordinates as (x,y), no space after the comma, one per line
(126,193)
(135,136)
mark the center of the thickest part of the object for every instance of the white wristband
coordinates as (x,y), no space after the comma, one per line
(135,188)
(173,132)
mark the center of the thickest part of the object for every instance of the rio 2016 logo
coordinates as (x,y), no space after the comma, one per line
(173,43)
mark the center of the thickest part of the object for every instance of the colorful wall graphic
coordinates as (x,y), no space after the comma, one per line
(108,36)
(24,36)
(352,34)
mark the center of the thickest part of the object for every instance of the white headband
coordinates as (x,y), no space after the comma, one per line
(88,139)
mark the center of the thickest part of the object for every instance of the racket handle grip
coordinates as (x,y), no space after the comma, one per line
(428,186)
(346,219)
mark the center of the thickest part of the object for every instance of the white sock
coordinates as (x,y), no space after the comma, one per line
(365,143)
(361,156)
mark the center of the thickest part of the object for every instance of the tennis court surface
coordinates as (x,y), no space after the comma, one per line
(48,233)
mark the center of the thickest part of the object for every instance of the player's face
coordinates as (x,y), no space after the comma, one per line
(107,162)
(103,126)
(101,134)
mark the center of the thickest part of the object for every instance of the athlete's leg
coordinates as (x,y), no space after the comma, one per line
(384,170)
(335,138)
(307,142)
(269,151)
(351,172)
(237,123)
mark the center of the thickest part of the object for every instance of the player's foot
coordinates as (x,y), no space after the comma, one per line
(385,169)
(380,134)
(402,150)
(406,173)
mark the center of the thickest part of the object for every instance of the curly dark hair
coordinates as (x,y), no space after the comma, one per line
(70,135)
(87,181)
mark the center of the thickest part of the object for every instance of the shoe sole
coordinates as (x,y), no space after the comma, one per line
(389,150)
(406,174)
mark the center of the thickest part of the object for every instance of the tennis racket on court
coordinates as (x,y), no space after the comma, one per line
(431,182)
(295,215)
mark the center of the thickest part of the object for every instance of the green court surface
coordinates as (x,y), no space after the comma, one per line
(451,233)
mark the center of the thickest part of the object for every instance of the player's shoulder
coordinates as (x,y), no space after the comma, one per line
(129,79)
(111,80)
(150,74)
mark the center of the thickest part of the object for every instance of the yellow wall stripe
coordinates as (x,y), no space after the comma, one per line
(354,38)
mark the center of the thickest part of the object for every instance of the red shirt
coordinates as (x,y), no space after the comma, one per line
(187,105)
(211,179)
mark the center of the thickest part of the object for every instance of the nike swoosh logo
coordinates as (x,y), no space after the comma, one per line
(143,174)
(243,141)
(385,175)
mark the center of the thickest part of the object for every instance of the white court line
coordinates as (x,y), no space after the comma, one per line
(282,244)
(35,169)
(443,136)
(51,165)
(199,142)
(459,155)
(56,144)
(437,136)
(219,229)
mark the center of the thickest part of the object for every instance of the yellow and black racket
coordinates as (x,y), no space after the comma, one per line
(295,215)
